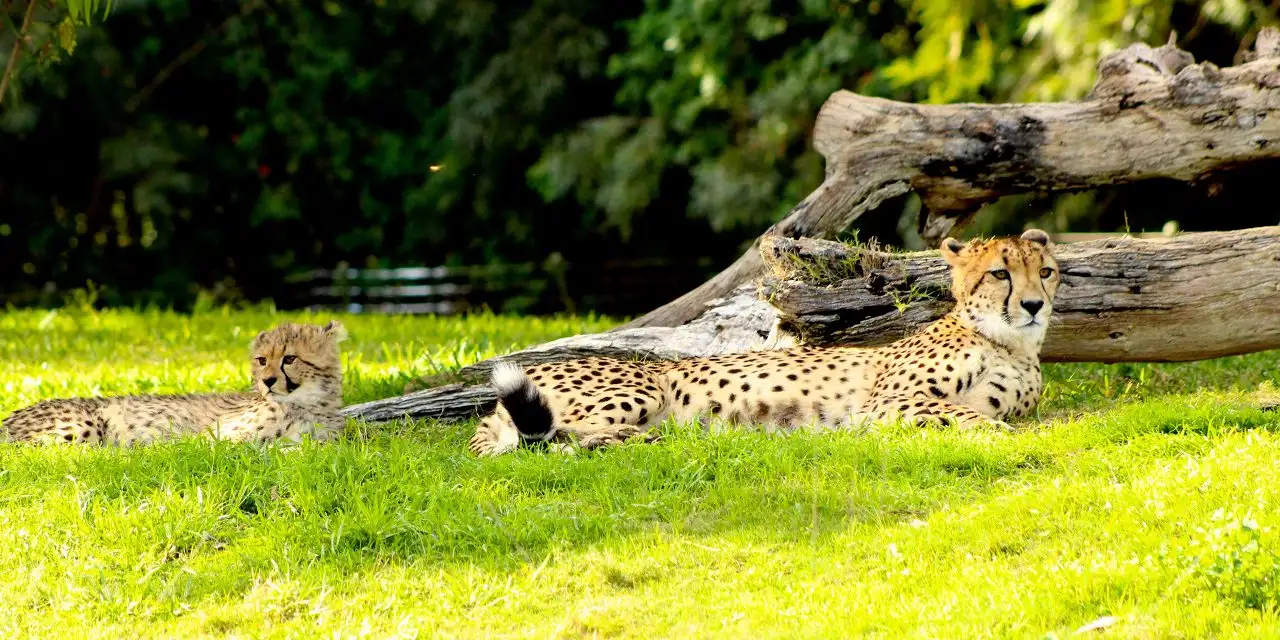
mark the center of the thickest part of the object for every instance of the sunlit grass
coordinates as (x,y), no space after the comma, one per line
(47,354)
(1144,492)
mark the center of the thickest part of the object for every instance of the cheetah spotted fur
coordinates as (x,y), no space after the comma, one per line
(297,381)
(977,365)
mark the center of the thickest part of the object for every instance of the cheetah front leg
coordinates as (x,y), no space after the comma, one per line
(920,409)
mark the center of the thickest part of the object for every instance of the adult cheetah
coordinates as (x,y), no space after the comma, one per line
(297,380)
(979,364)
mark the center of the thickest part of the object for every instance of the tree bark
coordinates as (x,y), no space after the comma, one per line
(1151,114)
(738,323)
(1191,297)
(19,40)
(449,402)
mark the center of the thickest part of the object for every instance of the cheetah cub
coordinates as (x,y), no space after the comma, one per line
(979,364)
(297,382)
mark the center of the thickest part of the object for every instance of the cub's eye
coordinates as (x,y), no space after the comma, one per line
(1046,272)
(262,362)
(289,359)
(1000,274)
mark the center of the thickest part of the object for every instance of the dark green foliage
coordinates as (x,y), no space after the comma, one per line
(301,135)
(724,93)
(215,148)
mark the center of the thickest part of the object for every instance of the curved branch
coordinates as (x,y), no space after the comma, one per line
(19,38)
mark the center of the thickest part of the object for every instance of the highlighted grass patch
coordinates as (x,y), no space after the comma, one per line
(1143,495)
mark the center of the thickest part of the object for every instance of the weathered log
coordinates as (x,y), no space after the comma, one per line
(449,402)
(741,322)
(1152,113)
(1190,297)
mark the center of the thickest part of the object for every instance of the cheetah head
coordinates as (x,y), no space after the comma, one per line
(298,363)
(1004,287)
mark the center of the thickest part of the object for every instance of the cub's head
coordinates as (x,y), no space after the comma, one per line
(297,363)
(1004,287)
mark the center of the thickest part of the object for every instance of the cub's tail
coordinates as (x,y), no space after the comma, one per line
(524,403)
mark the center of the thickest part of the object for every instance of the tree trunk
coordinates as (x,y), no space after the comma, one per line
(1151,114)
(1191,297)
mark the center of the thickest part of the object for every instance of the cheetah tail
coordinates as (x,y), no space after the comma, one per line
(526,405)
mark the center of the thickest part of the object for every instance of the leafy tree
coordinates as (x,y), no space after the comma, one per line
(44,37)
(724,92)
(218,148)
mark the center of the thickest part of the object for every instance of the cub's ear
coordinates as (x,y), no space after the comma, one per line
(336,331)
(1037,236)
(953,251)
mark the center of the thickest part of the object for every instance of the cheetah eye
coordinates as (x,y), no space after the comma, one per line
(1046,272)
(262,362)
(288,359)
(1000,274)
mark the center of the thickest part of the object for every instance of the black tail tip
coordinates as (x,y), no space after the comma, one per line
(523,401)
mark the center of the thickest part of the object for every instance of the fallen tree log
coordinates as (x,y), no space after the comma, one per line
(1153,113)
(738,323)
(1190,297)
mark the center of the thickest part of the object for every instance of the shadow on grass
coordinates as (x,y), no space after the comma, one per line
(211,518)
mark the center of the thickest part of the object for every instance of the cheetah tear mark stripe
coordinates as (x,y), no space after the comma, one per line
(522,400)
(289,384)
(1004,309)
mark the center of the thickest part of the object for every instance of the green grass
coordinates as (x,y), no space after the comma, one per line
(1144,492)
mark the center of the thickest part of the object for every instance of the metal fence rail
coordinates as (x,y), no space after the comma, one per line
(618,288)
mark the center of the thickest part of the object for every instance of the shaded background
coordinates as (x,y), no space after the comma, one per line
(554,155)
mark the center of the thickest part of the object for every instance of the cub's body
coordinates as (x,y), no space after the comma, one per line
(298,391)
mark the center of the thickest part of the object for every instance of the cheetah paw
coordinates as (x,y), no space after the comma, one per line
(1000,425)
(986,425)
(563,448)
(595,441)
(481,445)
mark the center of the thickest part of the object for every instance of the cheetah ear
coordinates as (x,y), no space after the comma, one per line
(336,331)
(1037,236)
(953,251)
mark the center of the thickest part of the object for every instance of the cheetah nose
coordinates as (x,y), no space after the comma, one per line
(1033,306)
(268,382)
